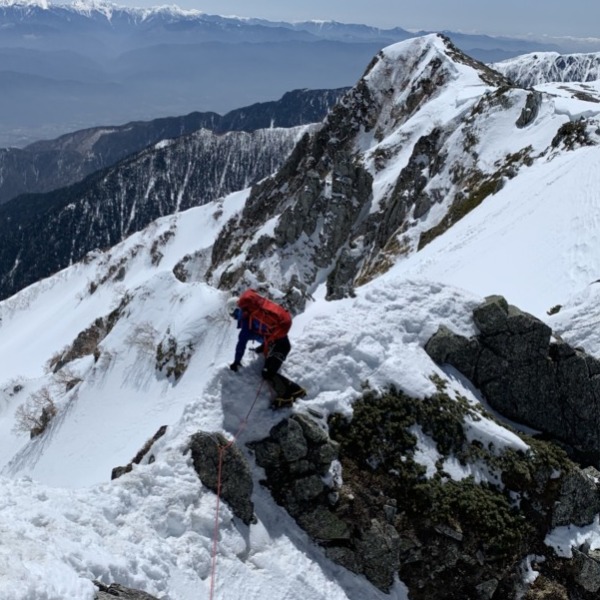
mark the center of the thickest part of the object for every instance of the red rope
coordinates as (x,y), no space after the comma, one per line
(222,450)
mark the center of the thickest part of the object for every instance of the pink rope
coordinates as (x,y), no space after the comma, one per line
(222,450)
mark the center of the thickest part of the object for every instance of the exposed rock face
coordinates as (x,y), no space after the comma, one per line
(297,458)
(364,497)
(531,109)
(236,478)
(327,214)
(87,341)
(544,67)
(527,377)
(319,194)
(588,570)
(111,204)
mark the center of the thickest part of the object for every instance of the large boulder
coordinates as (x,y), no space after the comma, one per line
(207,449)
(528,376)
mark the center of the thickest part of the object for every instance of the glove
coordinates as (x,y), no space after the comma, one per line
(234,366)
(259,349)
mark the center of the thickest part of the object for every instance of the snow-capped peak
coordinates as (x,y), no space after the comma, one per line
(44,4)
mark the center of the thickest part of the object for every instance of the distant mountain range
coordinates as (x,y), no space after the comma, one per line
(47,165)
(136,173)
(70,67)
(43,233)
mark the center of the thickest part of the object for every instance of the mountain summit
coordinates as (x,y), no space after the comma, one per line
(398,152)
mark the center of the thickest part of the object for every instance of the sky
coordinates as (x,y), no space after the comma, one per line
(509,17)
(63,522)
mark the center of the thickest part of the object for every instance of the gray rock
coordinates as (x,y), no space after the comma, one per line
(313,433)
(378,553)
(491,316)
(290,437)
(588,571)
(530,110)
(236,477)
(321,524)
(115,590)
(579,499)
(308,488)
(486,589)
(448,347)
(268,454)
(549,386)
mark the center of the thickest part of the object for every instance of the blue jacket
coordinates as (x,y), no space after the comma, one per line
(246,334)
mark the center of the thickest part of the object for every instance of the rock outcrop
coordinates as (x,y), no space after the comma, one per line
(137,459)
(207,449)
(359,192)
(115,590)
(358,489)
(528,376)
(303,474)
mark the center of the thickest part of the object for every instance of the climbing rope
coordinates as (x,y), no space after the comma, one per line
(222,450)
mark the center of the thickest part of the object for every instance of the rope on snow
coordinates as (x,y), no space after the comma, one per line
(222,450)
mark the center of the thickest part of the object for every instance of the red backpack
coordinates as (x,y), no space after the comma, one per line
(266,317)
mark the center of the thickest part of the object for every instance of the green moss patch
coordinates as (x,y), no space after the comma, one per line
(457,533)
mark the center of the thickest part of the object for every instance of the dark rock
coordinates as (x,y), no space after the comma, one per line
(308,488)
(486,589)
(491,316)
(323,525)
(549,386)
(579,499)
(115,590)
(587,571)
(530,110)
(236,478)
(290,437)
(137,459)
(379,552)
(447,347)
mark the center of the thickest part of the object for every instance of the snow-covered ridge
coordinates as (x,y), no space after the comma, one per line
(432,128)
(546,67)
(86,7)
(163,506)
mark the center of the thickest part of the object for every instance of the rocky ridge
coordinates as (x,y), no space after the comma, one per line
(51,164)
(382,177)
(47,232)
(544,67)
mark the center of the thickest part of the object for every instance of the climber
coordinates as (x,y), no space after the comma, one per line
(261,320)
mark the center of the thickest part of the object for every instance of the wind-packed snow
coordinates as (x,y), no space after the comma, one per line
(533,241)
(64,523)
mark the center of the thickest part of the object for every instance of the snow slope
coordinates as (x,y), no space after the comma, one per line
(152,529)
(533,241)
